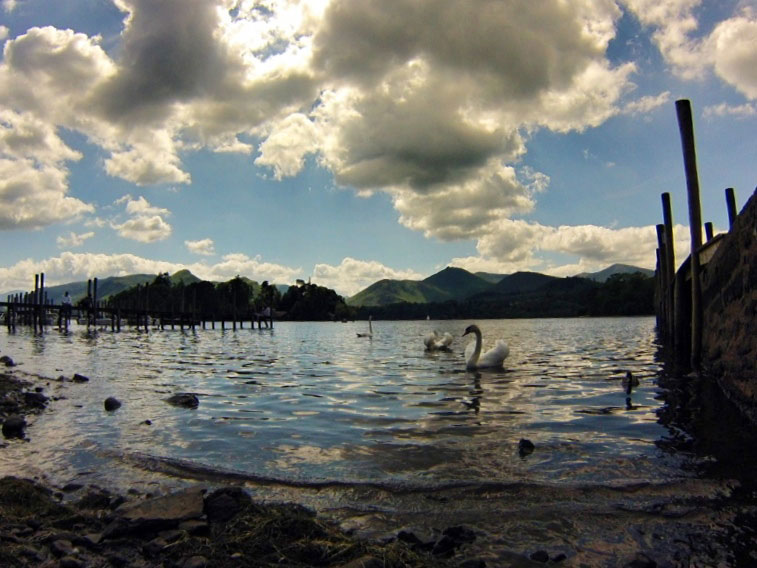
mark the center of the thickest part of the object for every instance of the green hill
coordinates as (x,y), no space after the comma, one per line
(112,285)
(522,282)
(456,283)
(490,276)
(603,275)
(449,284)
(388,291)
(105,287)
(185,277)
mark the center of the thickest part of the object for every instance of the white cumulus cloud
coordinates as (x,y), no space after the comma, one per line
(205,247)
(146,224)
(352,275)
(73,240)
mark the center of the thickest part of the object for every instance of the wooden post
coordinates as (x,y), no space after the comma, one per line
(89,299)
(686,127)
(663,282)
(35,299)
(730,200)
(709,231)
(94,301)
(41,301)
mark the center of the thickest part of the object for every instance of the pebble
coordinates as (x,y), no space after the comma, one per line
(195,562)
(62,547)
(70,562)
(13,426)
(525,447)
(540,556)
(112,403)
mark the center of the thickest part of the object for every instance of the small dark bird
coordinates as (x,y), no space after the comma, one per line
(629,382)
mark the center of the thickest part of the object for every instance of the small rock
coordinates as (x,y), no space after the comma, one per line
(540,556)
(35,399)
(364,562)
(184,399)
(13,426)
(32,553)
(194,527)
(223,504)
(116,502)
(641,561)
(7,361)
(472,563)
(112,403)
(70,562)
(77,378)
(160,513)
(147,422)
(117,560)
(409,538)
(62,547)
(33,523)
(92,539)
(525,447)
(95,498)
(155,546)
(195,562)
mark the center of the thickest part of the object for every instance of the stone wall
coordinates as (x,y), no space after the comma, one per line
(729,298)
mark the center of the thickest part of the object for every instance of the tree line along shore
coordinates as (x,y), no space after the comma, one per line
(629,294)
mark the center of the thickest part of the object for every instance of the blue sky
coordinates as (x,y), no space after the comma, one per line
(349,141)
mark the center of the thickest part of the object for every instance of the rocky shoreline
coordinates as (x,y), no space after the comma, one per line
(79,526)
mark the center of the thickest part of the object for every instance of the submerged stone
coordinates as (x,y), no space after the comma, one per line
(184,399)
(13,426)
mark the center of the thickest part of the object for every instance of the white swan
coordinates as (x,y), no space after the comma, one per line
(474,359)
(370,329)
(436,342)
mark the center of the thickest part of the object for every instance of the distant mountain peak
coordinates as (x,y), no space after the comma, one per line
(617,268)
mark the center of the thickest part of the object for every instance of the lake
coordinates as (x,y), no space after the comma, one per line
(375,432)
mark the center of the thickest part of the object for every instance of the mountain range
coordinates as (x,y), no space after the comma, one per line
(449,284)
(112,285)
(459,284)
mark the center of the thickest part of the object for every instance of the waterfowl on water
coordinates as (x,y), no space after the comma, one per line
(436,342)
(492,358)
(629,382)
(370,329)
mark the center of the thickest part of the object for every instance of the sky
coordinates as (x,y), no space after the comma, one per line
(347,141)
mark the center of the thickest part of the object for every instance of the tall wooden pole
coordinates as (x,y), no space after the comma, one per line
(670,258)
(41,301)
(730,200)
(686,127)
(35,300)
(663,281)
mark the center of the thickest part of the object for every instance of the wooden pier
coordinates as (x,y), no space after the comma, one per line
(679,305)
(36,310)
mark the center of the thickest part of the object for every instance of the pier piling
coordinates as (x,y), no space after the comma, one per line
(686,127)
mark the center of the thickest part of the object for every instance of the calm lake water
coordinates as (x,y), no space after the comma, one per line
(374,432)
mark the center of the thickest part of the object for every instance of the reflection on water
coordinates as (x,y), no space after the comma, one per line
(377,420)
(312,401)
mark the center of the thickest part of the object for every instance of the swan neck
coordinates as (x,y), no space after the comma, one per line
(477,350)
